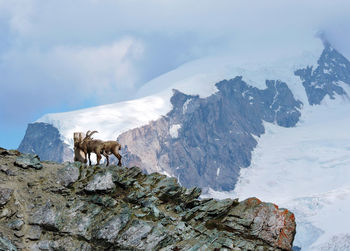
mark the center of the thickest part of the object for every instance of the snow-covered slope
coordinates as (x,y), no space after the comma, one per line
(109,120)
(198,78)
(306,169)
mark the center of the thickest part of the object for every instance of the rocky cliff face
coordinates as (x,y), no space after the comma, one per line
(45,140)
(333,69)
(205,142)
(49,206)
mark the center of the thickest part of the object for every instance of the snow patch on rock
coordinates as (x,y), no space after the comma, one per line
(174,130)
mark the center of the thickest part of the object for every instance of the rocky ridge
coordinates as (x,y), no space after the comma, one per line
(50,206)
(206,141)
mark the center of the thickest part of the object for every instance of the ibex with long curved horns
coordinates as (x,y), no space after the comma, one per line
(89,145)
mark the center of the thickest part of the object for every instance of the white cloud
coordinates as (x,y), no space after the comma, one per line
(34,79)
(102,69)
(19,13)
(82,52)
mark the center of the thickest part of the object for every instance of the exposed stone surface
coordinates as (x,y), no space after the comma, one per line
(7,170)
(34,232)
(27,160)
(5,195)
(6,244)
(119,208)
(16,224)
(101,182)
(68,175)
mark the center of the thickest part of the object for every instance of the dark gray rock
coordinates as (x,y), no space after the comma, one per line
(45,140)
(78,219)
(5,195)
(220,207)
(191,194)
(70,244)
(105,201)
(135,235)
(62,244)
(100,182)
(45,245)
(168,189)
(69,174)
(325,79)
(34,233)
(111,227)
(46,217)
(158,238)
(6,244)
(27,160)
(16,224)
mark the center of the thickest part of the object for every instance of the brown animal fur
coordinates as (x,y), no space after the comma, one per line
(110,147)
(78,153)
(89,145)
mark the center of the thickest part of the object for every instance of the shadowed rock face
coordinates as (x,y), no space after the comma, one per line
(44,139)
(205,142)
(119,208)
(333,69)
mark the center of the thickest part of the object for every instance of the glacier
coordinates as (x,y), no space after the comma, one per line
(305,169)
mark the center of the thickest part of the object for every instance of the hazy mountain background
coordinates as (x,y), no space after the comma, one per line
(61,56)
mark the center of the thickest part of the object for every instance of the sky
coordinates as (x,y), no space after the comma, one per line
(58,56)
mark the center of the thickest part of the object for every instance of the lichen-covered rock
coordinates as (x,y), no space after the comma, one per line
(63,244)
(69,174)
(112,226)
(26,160)
(100,182)
(69,207)
(16,224)
(34,233)
(5,195)
(135,235)
(267,222)
(6,244)
(46,217)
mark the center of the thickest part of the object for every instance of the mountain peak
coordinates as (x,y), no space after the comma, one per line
(327,77)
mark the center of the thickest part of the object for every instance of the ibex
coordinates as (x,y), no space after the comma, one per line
(89,145)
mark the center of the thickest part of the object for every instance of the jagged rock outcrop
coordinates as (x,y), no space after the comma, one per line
(119,208)
(205,141)
(45,140)
(333,70)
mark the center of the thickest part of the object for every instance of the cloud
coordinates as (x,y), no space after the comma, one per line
(62,55)
(66,74)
